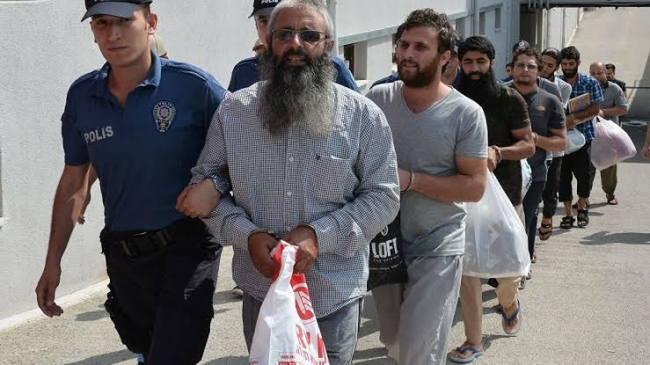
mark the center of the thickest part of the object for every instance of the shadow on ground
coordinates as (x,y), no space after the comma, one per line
(106,359)
(92,316)
(224,297)
(229,360)
(605,237)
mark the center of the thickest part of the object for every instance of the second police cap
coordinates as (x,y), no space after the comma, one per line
(263,7)
(520,45)
(118,8)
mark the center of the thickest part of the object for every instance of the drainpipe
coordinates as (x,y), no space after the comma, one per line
(548,28)
(332,5)
(563,27)
(477,11)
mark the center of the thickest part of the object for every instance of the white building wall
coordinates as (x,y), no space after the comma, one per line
(44,49)
(361,16)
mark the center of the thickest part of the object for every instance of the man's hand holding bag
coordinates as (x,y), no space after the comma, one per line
(287,331)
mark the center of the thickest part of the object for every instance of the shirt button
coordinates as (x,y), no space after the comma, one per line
(290,159)
(288,193)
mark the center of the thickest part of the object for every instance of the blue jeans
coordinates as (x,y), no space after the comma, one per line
(339,329)
(531,210)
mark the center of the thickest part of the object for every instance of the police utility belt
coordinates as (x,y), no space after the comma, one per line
(138,243)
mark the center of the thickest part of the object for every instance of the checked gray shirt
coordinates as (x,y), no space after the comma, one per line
(344,184)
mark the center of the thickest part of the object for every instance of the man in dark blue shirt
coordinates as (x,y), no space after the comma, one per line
(246,72)
(141,121)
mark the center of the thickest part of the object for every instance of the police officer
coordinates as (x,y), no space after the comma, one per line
(246,72)
(141,121)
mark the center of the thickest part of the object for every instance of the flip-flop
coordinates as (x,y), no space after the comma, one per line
(506,321)
(458,360)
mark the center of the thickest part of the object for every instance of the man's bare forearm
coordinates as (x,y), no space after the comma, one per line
(68,202)
(616,111)
(554,143)
(455,188)
(519,150)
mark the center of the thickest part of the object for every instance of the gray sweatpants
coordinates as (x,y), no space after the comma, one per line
(415,319)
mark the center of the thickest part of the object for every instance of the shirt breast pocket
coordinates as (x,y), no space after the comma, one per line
(334,179)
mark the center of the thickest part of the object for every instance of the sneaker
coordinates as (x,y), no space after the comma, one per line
(236,291)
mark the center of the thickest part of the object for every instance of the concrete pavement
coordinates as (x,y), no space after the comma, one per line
(586,304)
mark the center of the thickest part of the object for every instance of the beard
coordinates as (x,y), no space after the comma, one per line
(423,76)
(523,82)
(570,73)
(297,95)
(481,90)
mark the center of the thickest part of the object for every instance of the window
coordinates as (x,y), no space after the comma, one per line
(348,54)
(497,19)
(481,23)
(460,27)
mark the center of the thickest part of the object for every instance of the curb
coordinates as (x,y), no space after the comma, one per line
(68,300)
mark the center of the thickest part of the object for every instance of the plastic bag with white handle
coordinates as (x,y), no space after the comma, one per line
(287,332)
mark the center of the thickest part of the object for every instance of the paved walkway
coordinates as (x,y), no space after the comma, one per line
(586,304)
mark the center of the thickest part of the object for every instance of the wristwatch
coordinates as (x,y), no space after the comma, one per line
(221,183)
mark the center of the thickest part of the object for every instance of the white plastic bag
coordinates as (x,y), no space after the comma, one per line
(526,177)
(287,331)
(575,140)
(496,244)
(611,145)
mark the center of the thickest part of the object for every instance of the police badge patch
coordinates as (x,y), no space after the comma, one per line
(164,113)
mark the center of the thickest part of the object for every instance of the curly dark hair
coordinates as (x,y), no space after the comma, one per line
(570,53)
(431,18)
(527,51)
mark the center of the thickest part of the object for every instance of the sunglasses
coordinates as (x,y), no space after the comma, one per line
(526,66)
(306,36)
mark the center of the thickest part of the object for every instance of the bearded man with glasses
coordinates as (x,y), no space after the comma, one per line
(311,163)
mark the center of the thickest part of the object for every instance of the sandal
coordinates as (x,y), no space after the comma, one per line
(545,230)
(506,322)
(583,218)
(611,199)
(567,222)
(474,353)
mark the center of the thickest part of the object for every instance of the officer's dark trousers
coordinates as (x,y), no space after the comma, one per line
(577,164)
(166,296)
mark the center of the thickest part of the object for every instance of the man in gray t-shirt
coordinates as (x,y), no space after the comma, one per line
(455,125)
(440,139)
(613,106)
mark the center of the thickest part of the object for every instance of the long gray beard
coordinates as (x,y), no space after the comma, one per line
(298,96)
